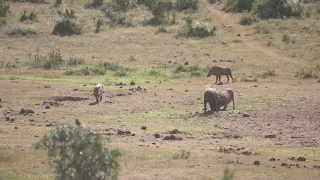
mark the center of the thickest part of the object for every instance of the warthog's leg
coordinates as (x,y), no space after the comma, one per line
(228,78)
(231,77)
(217,76)
(101,97)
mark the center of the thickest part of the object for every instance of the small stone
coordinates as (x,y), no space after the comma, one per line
(301,159)
(238,34)
(132,83)
(284,164)
(186,63)
(47,107)
(270,136)
(157,135)
(245,115)
(128,132)
(256,163)
(15,127)
(272,159)
(255,86)
(144,127)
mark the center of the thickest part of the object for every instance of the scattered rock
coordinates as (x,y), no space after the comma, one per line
(121,132)
(186,90)
(26,111)
(128,132)
(169,61)
(256,163)
(292,158)
(186,63)
(47,86)
(272,159)
(170,89)
(301,159)
(36,135)
(255,86)
(157,135)
(133,134)
(50,124)
(270,136)
(15,127)
(132,83)
(220,83)
(245,115)
(174,131)
(284,164)
(171,137)
(214,60)
(238,34)
(120,94)
(47,107)
(319,81)
(144,127)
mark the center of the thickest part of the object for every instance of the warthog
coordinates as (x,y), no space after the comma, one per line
(225,98)
(211,97)
(80,123)
(97,92)
(218,71)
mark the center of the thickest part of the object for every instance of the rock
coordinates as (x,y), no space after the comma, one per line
(292,158)
(171,137)
(238,34)
(272,159)
(26,111)
(214,60)
(186,63)
(47,107)
(255,86)
(284,164)
(36,135)
(128,132)
(169,61)
(157,135)
(50,124)
(132,83)
(256,163)
(144,127)
(174,131)
(270,136)
(121,132)
(133,134)
(319,81)
(301,159)
(15,127)
(245,115)
(47,86)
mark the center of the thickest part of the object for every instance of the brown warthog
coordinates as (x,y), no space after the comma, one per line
(218,71)
(225,98)
(97,92)
(211,97)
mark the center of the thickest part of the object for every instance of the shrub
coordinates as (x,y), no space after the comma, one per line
(21,32)
(52,61)
(117,12)
(160,10)
(67,24)
(247,20)
(238,5)
(80,154)
(181,5)
(182,155)
(98,24)
(58,2)
(75,61)
(228,175)
(261,28)
(268,73)
(4,8)
(8,65)
(285,38)
(305,74)
(32,16)
(200,31)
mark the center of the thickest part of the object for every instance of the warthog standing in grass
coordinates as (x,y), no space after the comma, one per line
(97,92)
(218,71)
(211,97)
(225,98)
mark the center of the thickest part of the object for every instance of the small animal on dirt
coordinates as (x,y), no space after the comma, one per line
(211,96)
(225,98)
(80,123)
(97,92)
(218,71)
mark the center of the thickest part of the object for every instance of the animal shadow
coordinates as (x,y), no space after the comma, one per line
(207,113)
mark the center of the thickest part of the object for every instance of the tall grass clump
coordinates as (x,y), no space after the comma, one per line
(31,17)
(80,154)
(4,11)
(67,23)
(21,32)
(183,154)
(7,65)
(75,61)
(182,5)
(52,61)
(200,31)
(247,19)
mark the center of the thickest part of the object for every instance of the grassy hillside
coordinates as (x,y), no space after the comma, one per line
(275,63)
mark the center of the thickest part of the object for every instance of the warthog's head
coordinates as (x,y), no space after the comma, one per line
(209,73)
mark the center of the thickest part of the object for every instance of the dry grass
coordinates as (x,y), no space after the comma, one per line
(169,102)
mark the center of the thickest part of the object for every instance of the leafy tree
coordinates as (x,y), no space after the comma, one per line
(80,154)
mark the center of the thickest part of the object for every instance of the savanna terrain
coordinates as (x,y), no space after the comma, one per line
(275,65)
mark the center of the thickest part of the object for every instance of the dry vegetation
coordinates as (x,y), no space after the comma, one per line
(275,64)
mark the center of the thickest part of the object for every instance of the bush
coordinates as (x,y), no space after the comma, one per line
(238,5)
(67,24)
(80,154)
(160,9)
(21,32)
(247,20)
(52,61)
(305,74)
(285,38)
(200,31)
(75,61)
(8,65)
(193,71)
(4,8)
(32,16)
(228,175)
(117,12)
(181,5)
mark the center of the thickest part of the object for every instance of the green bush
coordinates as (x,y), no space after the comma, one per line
(21,32)
(247,20)
(160,10)
(238,5)
(181,5)
(304,74)
(4,8)
(75,61)
(200,31)
(80,154)
(32,16)
(67,24)
(117,10)
(228,175)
